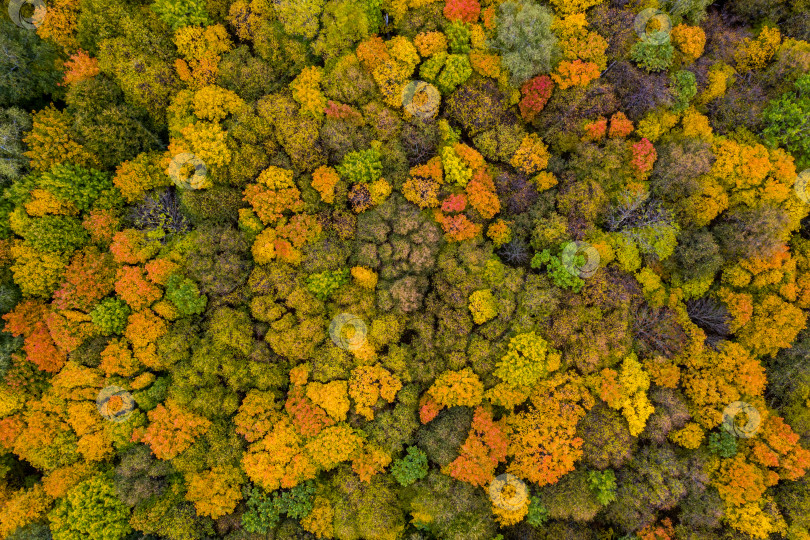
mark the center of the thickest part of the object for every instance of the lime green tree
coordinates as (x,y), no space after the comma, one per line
(90,510)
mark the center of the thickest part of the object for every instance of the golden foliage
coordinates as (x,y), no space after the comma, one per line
(370,383)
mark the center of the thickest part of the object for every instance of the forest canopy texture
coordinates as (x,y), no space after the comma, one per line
(405,269)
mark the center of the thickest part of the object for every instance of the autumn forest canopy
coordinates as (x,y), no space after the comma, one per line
(405,269)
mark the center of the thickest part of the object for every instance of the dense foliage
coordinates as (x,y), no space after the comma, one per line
(405,269)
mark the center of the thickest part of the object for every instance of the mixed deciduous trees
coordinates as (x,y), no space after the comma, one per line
(429,269)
